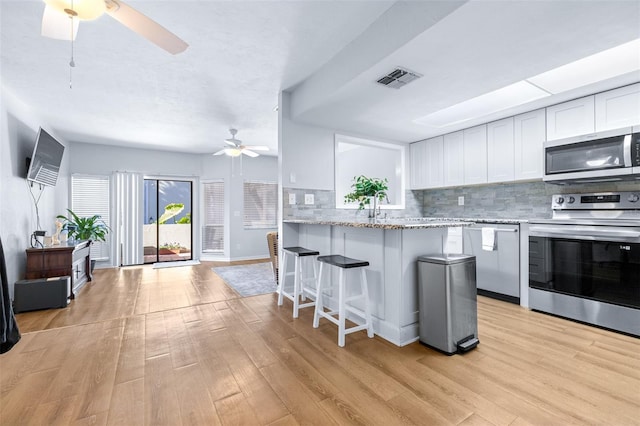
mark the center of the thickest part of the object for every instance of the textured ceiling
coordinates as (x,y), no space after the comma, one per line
(127,91)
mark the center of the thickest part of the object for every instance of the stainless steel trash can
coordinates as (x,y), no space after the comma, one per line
(447,302)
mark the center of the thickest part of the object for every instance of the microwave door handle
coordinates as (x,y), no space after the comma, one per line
(627,151)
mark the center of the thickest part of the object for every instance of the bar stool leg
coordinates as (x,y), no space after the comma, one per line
(367,306)
(319,307)
(283,278)
(296,286)
(341,310)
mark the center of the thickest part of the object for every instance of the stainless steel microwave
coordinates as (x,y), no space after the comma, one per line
(604,156)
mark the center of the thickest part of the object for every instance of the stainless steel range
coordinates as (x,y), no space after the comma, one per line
(584,263)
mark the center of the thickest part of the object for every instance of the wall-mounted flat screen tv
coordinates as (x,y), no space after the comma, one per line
(45,161)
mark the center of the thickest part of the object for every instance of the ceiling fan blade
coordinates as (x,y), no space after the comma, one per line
(55,24)
(250,153)
(222,151)
(257,147)
(230,142)
(146,27)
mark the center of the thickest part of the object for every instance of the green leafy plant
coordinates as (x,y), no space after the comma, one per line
(185,220)
(364,188)
(84,228)
(170,211)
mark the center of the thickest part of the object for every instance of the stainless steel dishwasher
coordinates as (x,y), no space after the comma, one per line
(498,270)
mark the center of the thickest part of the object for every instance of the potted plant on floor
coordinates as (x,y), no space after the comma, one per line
(91,228)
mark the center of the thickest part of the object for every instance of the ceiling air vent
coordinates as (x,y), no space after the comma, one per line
(398,78)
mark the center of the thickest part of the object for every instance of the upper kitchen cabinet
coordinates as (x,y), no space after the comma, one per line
(418,154)
(500,151)
(453,159)
(529,135)
(475,154)
(571,118)
(427,164)
(618,108)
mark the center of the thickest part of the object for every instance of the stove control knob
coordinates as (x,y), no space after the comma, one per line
(572,200)
(560,200)
(633,198)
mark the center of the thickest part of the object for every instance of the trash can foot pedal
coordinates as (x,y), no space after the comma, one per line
(467,344)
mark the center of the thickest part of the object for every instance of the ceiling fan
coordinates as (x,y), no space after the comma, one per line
(236,148)
(55,21)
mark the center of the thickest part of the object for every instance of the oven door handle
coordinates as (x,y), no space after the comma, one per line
(585,234)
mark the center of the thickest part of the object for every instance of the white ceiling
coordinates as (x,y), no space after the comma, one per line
(127,91)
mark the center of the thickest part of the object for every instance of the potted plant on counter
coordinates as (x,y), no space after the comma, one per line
(366,189)
(91,228)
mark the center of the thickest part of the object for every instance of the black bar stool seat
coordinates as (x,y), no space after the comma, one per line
(301,251)
(342,261)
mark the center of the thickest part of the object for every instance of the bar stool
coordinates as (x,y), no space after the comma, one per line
(300,287)
(343,263)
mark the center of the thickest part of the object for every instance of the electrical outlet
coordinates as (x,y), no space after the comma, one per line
(236,213)
(461,201)
(292,199)
(309,199)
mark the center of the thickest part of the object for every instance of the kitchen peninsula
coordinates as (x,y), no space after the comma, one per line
(392,248)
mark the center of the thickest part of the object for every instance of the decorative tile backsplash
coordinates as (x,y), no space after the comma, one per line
(325,206)
(522,200)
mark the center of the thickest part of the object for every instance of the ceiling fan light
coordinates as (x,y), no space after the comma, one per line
(85,10)
(233,152)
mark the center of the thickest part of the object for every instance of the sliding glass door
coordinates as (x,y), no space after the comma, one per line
(167,220)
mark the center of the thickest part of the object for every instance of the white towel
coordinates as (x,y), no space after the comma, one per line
(488,239)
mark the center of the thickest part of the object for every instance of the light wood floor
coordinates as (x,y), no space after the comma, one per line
(176,346)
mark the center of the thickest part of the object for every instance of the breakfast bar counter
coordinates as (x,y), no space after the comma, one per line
(392,247)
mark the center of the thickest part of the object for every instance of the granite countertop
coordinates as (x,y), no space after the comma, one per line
(501,221)
(405,223)
(383,223)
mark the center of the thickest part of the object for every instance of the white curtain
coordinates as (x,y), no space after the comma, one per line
(129,217)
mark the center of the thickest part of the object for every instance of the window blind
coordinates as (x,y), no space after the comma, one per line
(213,227)
(90,196)
(260,201)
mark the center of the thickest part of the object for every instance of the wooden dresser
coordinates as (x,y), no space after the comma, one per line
(64,259)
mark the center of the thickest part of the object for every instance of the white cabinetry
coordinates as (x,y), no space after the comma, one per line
(500,167)
(475,154)
(618,108)
(571,118)
(418,152)
(529,140)
(427,164)
(453,159)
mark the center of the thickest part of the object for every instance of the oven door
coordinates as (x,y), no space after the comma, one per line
(588,273)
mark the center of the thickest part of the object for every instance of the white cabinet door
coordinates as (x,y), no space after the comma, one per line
(573,118)
(529,145)
(618,108)
(427,164)
(475,154)
(500,167)
(418,152)
(453,159)
(435,159)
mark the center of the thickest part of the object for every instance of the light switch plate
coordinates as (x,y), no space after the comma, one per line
(309,199)
(292,199)
(292,177)
(461,201)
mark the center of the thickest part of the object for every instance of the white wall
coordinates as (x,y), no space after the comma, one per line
(18,129)
(306,152)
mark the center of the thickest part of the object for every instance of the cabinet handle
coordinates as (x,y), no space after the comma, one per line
(497,230)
